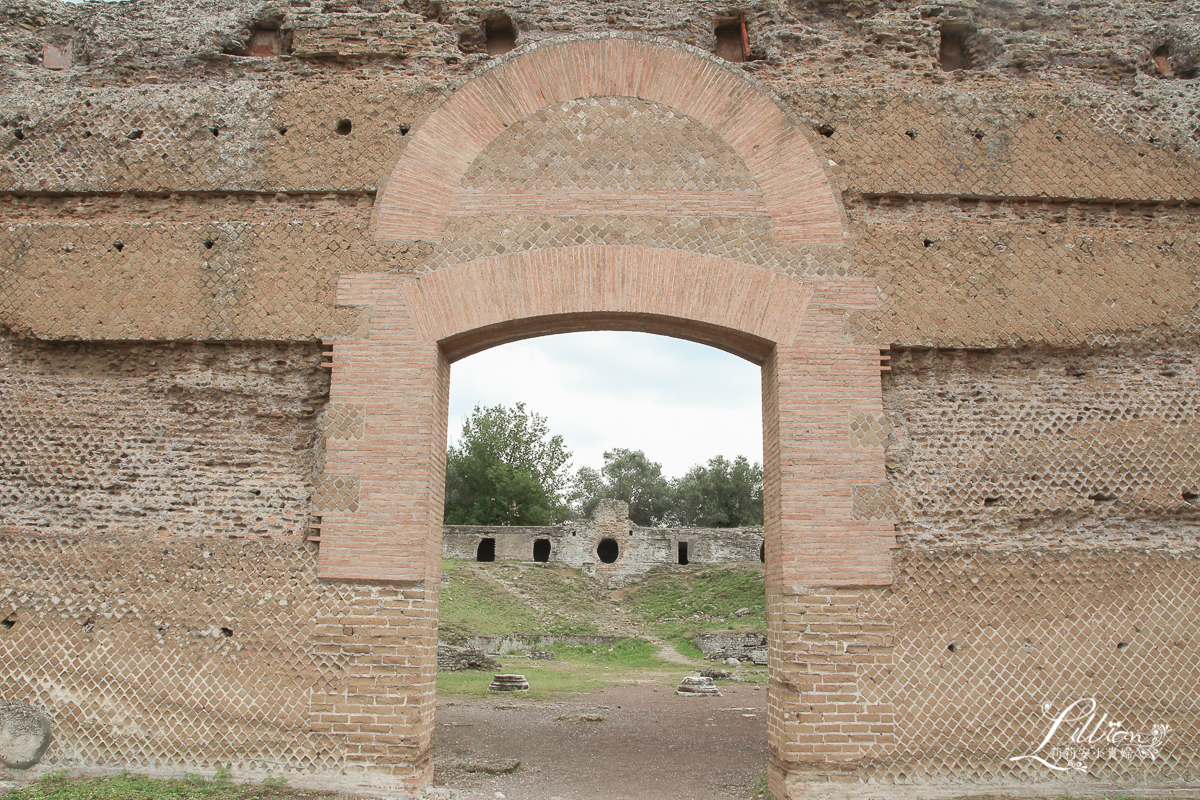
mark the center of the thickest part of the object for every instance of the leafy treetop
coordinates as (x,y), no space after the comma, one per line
(506,470)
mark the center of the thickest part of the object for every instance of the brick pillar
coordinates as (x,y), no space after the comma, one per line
(380,502)
(813,392)
(383,707)
(823,437)
(381,496)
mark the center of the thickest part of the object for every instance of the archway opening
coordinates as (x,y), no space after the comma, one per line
(821,404)
(486,550)
(608,551)
(697,604)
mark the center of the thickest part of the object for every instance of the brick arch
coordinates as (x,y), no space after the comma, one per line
(724,303)
(802,206)
(381,495)
(379,501)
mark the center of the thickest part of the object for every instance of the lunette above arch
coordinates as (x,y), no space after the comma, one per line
(415,201)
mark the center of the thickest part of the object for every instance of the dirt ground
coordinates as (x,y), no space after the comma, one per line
(634,742)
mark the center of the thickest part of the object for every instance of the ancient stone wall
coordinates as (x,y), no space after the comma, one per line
(578,543)
(1039,448)
(174,439)
(205,206)
(159,652)
(969,657)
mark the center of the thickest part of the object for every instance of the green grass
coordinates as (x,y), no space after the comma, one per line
(574,600)
(574,670)
(753,676)
(760,790)
(57,786)
(677,603)
(475,600)
(506,598)
(625,654)
(704,593)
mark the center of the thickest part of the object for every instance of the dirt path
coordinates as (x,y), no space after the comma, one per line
(667,651)
(638,742)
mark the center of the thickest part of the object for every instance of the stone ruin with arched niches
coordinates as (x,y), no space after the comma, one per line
(607,545)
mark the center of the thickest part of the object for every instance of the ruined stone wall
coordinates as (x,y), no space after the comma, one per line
(1064,157)
(171,652)
(177,214)
(177,439)
(576,543)
(970,655)
(158,597)
(1045,448)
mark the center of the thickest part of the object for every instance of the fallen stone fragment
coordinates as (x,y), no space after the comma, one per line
(695,685)
(581,718)
(453,659)
(499,766)
(716,673)
(24,735)
(508,683)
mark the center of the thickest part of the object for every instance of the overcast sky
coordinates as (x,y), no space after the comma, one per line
(680,402)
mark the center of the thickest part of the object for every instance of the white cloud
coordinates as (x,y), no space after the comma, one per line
(680,402)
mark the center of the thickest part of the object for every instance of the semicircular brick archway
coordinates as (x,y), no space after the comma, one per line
(380,498)
(381,495)
(416,199)
(716,300)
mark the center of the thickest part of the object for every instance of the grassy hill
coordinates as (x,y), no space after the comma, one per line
(657,616)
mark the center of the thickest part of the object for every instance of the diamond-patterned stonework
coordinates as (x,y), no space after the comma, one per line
(183,439)
(873,501)
(1037,448)
(208,652)
(994,276)
(1017,144)
(982,640)
(608,143)
(335,493)
(869,429)
(344,420)
(160,138)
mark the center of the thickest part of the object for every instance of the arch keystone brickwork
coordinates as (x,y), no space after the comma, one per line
(415,202)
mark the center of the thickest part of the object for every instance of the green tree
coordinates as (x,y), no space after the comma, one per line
(626,475)
(720,494)
(506,470)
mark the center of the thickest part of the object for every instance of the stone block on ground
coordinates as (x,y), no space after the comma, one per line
(697,685)
(24,735)
(455,659)
(508,683)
